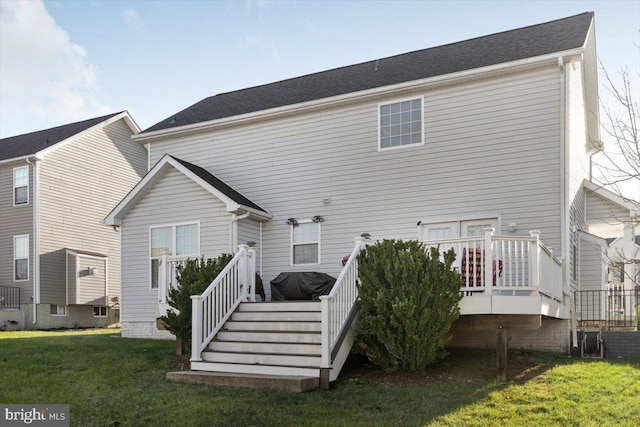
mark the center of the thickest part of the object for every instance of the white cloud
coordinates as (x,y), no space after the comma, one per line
(45,78)
(133,19)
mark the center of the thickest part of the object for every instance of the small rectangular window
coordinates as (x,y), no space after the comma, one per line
(100,311)
(21,185)
(58,310)
(400,124)
(305,243)
(21,258)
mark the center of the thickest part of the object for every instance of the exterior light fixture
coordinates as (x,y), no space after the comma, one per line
(317,218)
(292,221)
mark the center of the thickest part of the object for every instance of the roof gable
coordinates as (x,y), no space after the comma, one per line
(30,144)
(235,202)
(627,204)
(528,42)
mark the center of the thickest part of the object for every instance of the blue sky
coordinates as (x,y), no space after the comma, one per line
(68,60)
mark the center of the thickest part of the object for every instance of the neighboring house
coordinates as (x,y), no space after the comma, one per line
(59,265)
(439,144)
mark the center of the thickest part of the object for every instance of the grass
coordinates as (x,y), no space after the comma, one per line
(111,381)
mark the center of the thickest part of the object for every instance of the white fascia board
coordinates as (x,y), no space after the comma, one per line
(359,96)
(18,159)
(149,180)
(592,238)
(610,196)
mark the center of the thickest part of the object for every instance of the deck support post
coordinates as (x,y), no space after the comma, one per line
(501,354)
(324,378)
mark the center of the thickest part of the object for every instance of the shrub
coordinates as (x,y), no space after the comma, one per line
(193,278)
(409,299)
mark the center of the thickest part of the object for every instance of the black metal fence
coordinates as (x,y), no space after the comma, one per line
(609,309)
(9,297)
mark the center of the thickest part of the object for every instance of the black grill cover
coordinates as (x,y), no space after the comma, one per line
(301,286)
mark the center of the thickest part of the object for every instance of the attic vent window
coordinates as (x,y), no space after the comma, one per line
(400,124)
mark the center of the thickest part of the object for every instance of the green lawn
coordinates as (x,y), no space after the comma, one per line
(112,381)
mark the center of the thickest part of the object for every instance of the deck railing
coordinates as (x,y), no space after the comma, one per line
(234,284)
(610,309)
(9,298)
(167,278)
(336,308)
(504,265)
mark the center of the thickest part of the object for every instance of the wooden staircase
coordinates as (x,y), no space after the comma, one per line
(271,338)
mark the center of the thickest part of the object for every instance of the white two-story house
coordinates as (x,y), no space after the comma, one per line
(481,145)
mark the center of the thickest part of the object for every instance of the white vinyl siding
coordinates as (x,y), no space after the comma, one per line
(400,123)
(493,147)
(174,199)
(21,185)
(305,243)
(21,258)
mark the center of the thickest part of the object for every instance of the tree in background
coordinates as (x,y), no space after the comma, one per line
(408,301)
(194,277)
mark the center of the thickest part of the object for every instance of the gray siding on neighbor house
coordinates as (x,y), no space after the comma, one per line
(15,221)
(92,287)
(175,199)
(81,182)
(492,150)
(592,266)
(601,210)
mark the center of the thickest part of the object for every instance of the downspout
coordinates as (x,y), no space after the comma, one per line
(36,236)
(233,235)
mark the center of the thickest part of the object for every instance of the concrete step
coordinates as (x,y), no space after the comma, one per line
(280,306)
(275,337)
(254,369)
(292,383)
(276,316)
(265,348)
(273,326)
(263,359)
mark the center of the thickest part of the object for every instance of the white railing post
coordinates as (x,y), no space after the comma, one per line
(534,267)
(324,331)
(251,273)
(243,273)
(488,260)
(196,327)
(163,274)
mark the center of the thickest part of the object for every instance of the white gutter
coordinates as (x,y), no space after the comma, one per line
(355,96)
(36,235)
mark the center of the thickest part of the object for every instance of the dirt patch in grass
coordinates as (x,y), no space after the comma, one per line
(462,365)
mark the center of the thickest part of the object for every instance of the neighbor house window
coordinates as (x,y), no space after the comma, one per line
(400,124)
(21,258)
(58,310)
(172,240)
(21,185)
(100,311)
(305,243)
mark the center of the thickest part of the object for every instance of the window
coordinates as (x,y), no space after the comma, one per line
(21,185)
(58,310)
(305,243)
(179,240)
(400,124)
(21,258)
(100,311)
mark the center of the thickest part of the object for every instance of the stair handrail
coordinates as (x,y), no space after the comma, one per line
(336,307)
(216,304)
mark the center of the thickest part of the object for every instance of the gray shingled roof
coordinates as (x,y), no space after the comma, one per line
(536,40)
(218,184)
(30,143)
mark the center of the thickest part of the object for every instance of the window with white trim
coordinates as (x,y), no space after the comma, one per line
(21,185)
(172,240)
(400,124)
(21,257)
(99,311)
(58,310)
(305,243)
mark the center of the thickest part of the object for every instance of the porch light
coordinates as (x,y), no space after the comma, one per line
(292,221)
(317,218)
